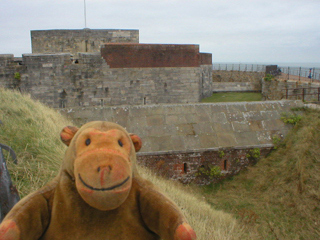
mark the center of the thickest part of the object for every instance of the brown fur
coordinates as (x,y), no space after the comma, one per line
(98,194)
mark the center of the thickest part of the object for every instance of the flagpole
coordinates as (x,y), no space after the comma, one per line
(85,14)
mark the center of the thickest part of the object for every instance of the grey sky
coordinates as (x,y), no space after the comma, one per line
(232,30)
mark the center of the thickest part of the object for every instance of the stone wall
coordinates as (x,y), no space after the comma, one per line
(206,81)
(236,87)
(184,127)
(8,68)
(81,40)
(62,80)
(236,81)
(290,89)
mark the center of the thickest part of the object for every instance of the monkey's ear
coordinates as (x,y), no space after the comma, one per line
(67,134)
(136,140)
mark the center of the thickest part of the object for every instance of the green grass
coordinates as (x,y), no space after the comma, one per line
(233,97)
(279,197)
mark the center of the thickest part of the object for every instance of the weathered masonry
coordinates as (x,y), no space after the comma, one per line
(180,139)
(68,69)
(74,41)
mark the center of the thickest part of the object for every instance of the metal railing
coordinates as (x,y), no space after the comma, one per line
(287,72)
(239,67)
(303,92)
(301,72)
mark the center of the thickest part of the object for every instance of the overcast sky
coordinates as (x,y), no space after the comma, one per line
(254,31)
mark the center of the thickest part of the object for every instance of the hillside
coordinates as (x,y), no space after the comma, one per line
(279,197)
(32,130)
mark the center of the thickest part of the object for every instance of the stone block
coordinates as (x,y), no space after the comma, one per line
(276,124)
(253,116)
(208,141)
(185,129)
(256,125)
(219,117)
(226,139)
(272,115)
(241,126)
(222,127)
(155,120)
(246,138)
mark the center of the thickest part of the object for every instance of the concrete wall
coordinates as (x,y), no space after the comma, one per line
(81,40)
(195,126)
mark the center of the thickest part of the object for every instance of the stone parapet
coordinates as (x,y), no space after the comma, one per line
(188,127)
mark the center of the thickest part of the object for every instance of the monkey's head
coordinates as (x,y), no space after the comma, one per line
(101,158)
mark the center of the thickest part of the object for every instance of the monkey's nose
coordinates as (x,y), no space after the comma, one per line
(104,173)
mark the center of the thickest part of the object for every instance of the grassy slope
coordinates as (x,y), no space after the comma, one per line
(279,198)
(233,97)
(32,130)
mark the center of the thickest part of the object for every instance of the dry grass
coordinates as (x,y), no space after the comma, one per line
(32,130)
(207,222)
(279,198)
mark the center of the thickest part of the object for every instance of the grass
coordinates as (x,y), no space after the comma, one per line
(279,197)
(233,97)
(32,130)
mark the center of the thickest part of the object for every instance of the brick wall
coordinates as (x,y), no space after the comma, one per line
(185,166)
(150,55)
(206,59)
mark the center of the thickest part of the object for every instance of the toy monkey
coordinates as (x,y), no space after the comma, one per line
(97,195)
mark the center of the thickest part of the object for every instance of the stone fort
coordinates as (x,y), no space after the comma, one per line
(88,67)
(153,90)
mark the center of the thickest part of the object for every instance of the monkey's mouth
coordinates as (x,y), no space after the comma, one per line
(103,189)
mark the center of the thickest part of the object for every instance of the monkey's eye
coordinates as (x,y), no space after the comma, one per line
(88,141)
(120,143)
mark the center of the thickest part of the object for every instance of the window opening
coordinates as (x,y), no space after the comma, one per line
(225,164)
(185,168)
